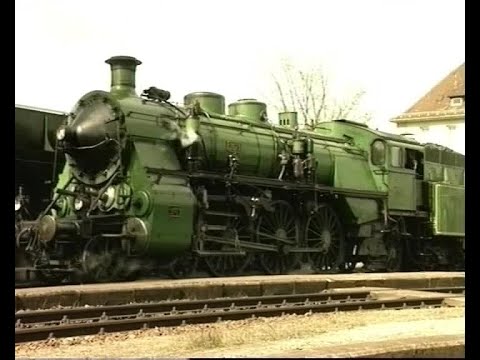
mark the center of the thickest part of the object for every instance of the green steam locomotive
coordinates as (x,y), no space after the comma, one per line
(150,184)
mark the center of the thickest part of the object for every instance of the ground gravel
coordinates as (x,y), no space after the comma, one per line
(257,337)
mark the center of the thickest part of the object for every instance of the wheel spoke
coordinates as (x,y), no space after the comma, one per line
(283,224)
(228,265)
(271,222)
(315,232)
(288,223)
(323,232)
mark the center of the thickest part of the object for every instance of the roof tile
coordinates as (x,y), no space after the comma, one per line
(438,98)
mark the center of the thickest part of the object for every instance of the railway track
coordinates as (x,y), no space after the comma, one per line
(444,289)
(43,324)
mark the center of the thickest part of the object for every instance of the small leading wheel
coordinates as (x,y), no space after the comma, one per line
(52,277)
(236,228)
(183,266)
(280,228)
(101,261)
(324,232)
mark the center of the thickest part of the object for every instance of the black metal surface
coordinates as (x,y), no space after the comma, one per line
(86,134)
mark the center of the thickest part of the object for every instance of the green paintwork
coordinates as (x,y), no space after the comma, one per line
(353,172)
(433,172)
(254,147)
(208,101)
(123,75)
(405,192)
(448,215)
(166,234)
(366,210)
(257,147)
(341,149)
(147,121)
(289,119)
(454,175)
(365,175)
(402,190)
(156,155)
(420,191)
(150,128)
(168,206)
(249,108)
(172,217)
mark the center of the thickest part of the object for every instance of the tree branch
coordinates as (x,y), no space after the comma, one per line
(308,91)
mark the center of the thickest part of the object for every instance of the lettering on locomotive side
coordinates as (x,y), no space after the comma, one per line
(173,212)
(232,147)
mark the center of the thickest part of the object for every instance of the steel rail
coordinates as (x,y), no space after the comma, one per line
(444,289)
(143,320)
(52,315)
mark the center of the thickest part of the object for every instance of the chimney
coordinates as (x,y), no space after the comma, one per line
(123,75)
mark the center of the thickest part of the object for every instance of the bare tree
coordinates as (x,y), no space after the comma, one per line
(307,92)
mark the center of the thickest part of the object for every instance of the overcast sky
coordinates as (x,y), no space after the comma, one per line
(395,50)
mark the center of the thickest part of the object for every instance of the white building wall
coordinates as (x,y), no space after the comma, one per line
(451,135)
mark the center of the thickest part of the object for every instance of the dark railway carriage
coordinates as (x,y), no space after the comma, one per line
(192,187)
(37,165)
(35,172)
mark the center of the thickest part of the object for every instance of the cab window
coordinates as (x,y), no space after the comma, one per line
(378,152)
(396,156)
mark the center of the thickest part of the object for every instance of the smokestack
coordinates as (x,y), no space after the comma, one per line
(123,75)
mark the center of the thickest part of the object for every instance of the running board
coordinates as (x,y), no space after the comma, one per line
(212,227)
(221,213)
(243,244)
(258,246)
(204,253)
(305,250)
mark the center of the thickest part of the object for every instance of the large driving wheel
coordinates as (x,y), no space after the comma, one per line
(279,228)
(324,232)
(236,228)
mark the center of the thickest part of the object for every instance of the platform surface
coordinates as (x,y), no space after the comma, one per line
(202,288)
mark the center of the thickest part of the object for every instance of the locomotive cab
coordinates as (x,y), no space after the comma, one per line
(404,163)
